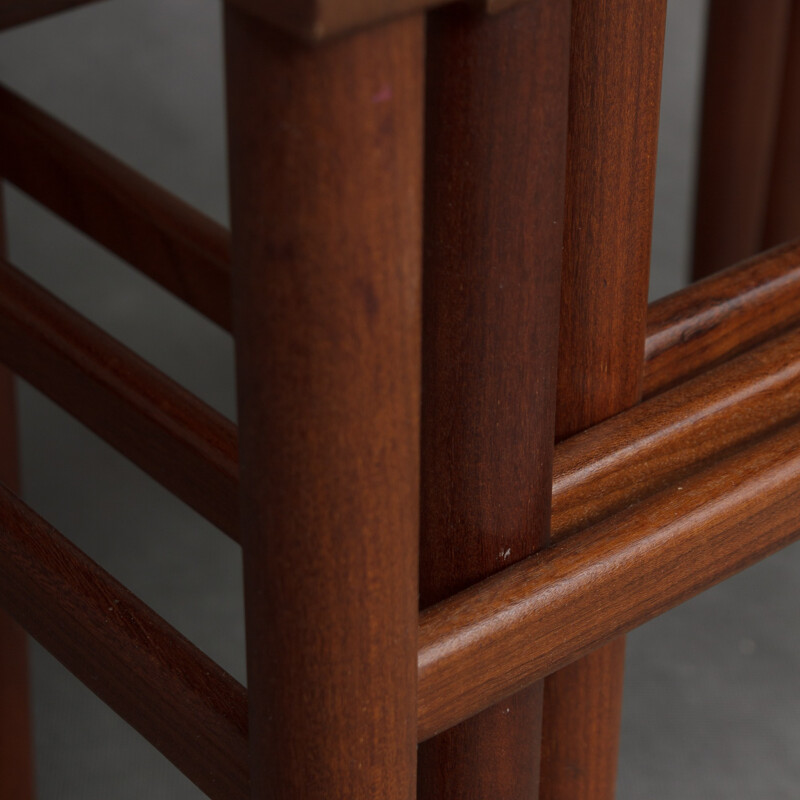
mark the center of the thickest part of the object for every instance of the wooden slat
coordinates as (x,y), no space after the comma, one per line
(172,693)
(721,316)
(16,742)
(496,94)
(172,243)
(783,205)
(164,429)
(614,92)
(631,455)
(18,12)
(745,57)
(516,627)
(326,208)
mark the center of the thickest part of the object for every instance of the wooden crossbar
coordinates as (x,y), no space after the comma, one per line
(18,12)
(515,628)
(180,441)
(716,318)
(178,247)
(154,678)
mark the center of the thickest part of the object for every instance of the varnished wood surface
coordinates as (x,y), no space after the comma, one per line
(172,243)
(16,743)
(174,695)
(614,94)
(544,612)
(326,198)
(783,205)
(631,455)
(315,20)
(18,12)
(744,68)
(496,92)
(717,318)
(180,441)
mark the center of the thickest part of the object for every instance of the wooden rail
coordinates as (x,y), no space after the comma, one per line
(512,629)
(721,316)
(171,692)
(180,441)
(168,240)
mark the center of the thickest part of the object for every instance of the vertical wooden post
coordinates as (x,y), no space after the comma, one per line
(16,740)
(326,183)
(614,94)
(745,57)
(496,142)
(783,206)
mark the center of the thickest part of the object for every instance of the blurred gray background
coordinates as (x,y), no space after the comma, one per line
(712,708)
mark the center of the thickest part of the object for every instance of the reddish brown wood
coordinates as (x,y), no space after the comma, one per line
(745,56)
(173,694)
(326,173)
(717,318)
(496,92)
(513,628)
(18,12)
(783,205)
(16,741)
(631,455)
(614,92)
(176,438)
(172,243)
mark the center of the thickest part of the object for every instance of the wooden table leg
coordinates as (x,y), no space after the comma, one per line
(615,82)
(745,58)
(16,742)
(496,142)
(326,184)
(782,221)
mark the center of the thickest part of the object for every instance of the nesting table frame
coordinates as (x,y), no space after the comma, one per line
(469,456)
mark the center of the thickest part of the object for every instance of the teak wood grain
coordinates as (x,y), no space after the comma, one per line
(326,198)
(717,318)
(169,241)
(614,92)
(184,444)
(516,627)
(744,68)
(18,12)
(16,742)
(783,203)
(173,694)
(496,90)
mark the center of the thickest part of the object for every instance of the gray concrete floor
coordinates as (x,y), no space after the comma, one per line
(712,707)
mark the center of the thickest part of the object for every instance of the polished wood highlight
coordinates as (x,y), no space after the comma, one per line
(171,692)
(614,91)
(169,241)
(494,85)
(326,197)
(715,319)
(16,740)
(745,57)
(19,12)
(176,438)
(516,627)
(631,455)
(783,204)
